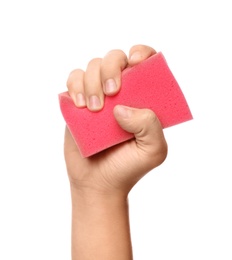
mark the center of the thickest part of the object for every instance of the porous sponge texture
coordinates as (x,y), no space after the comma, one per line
(150,84)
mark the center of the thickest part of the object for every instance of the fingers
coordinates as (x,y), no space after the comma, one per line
(103,76)
(143,123)
(139,53)
(75,85)
(92,85)
(112,65)
(85,87)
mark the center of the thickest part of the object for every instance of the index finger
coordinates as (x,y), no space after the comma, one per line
(111,67)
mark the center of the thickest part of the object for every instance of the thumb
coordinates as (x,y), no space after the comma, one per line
(148,132)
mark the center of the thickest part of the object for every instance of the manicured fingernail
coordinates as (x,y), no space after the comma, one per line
(110,86)
(94,103)
(136,56)
(80,100)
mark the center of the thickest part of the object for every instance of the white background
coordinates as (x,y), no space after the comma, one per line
(182,209)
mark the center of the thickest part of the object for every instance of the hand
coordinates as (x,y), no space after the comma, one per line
(100,183)
(117,169)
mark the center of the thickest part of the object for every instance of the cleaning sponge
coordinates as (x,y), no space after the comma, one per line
(150,84)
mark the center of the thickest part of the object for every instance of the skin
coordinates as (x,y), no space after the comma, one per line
(101,183)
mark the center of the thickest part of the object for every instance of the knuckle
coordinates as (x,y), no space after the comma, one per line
(159,154)
(74,76)
(150,116)
(145,49)
(137,47)
(75,73)
(116,52)
(159,148)
(117,56)
(162,153)
(94,62)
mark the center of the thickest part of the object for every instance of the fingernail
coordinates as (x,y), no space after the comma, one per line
(94,103)
(123,111)
(110,86)
(136,56)
(80,101)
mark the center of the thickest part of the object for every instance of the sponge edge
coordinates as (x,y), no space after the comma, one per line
(149,84)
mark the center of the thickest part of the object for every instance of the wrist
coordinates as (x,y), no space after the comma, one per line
(100,225)
(88,196)
(94,192)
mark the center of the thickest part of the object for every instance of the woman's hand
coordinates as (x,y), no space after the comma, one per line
(117,169)
(100,183)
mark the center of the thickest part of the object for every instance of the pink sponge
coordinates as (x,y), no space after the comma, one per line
(149,84)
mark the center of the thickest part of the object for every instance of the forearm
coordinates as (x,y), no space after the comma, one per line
(100,227)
